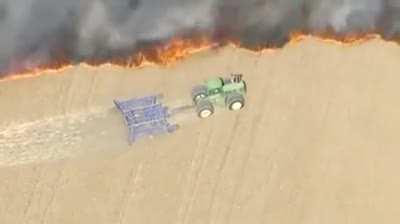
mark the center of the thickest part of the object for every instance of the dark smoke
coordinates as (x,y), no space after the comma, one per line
(37,32)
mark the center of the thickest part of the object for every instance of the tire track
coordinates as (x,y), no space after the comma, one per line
(197,177)
(182,211)
(35,188)
(56,187)
(255,127)
(128,195)
(222,164)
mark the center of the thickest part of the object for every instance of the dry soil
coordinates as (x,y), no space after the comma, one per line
(318,142)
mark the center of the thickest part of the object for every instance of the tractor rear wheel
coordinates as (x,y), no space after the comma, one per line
(235,102)
(204,109)
(198,93)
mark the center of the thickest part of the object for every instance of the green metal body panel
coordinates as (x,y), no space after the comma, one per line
(218,89)
(214,83)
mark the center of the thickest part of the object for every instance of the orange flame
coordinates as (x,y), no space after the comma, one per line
(346,40)
(180,48)
(175,50)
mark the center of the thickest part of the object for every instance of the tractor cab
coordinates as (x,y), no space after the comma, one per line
(219,85)
(214,86)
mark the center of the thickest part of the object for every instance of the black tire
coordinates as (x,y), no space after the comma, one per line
(245,86)
(235,101)
(204,109)
(199,92)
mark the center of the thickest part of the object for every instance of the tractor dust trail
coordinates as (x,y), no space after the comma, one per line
(65,137)
(50,139)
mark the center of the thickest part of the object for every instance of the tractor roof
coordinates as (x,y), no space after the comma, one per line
(214,83)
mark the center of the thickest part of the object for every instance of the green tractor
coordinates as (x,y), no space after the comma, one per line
(228,92)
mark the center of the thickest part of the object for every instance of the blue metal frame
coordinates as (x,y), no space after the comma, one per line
(145,116)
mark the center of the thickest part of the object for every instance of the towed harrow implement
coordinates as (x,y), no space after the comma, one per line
(145,116)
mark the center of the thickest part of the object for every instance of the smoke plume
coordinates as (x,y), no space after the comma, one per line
(37,32)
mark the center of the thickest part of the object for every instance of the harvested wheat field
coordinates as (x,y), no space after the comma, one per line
(316,143)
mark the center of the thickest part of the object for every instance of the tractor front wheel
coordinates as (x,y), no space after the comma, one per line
(204,109)
(235,102)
